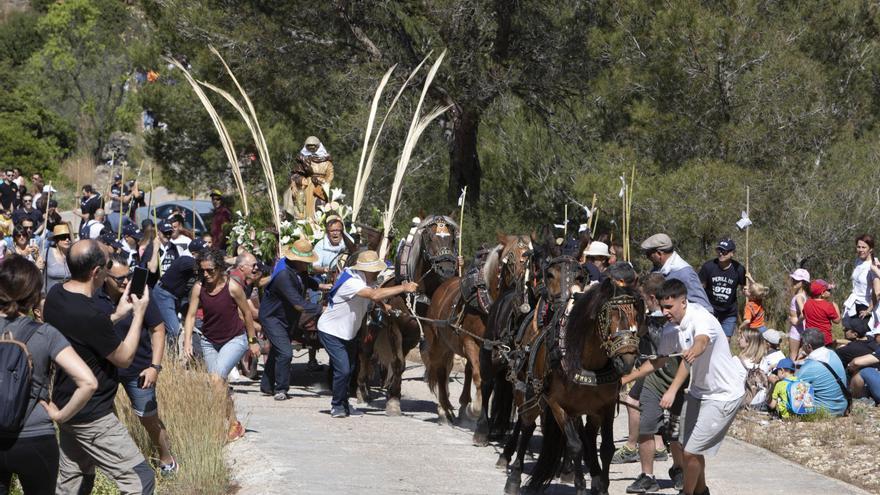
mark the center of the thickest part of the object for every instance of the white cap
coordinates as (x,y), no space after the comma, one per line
(772,336)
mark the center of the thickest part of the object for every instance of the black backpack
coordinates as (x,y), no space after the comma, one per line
(17,386)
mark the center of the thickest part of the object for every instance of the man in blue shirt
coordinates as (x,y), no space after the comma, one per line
(828,388)
(659,249)
(283,303)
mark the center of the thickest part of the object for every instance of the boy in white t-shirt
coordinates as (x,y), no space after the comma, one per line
(349,301)
(717,382)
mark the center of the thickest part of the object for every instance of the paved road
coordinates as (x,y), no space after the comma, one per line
(295,447)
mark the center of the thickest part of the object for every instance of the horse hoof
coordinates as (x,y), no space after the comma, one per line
(362,397)
(473,411)
(392,408)
(445,418)
(481,439)
(502,463)
(512,487)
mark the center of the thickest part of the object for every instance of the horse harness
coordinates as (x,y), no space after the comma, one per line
(411,249)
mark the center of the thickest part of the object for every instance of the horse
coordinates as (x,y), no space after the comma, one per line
(428,257)
(597,344)
(458,328)
(558,276)
(506,316)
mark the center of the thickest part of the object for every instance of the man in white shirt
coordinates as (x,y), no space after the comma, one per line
(717,382)
(349,301)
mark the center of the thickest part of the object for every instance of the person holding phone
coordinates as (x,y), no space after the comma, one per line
(139,379)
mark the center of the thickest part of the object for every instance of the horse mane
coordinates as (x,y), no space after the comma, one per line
(490,267)
(582,321)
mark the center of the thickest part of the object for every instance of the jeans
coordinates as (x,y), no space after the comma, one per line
(871,376)
(167,304)
(342,354)
(728,324)
(276,372)
(220,359)
(143,400)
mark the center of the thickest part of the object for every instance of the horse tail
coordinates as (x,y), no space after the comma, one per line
(550,458)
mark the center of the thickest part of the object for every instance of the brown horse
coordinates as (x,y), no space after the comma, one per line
(597,343)
(431,257)
(506,264)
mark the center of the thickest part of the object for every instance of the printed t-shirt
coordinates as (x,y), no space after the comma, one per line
(344,315)
(754,312)
(715,374)
(780,395)
(143,357)
(91,334)
(721,285)
(819,313)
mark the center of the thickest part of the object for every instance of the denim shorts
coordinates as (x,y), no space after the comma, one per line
(728,324)
(220,359)
(143,400)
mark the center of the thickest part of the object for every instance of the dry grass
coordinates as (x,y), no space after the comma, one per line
(194,413)
(842,448)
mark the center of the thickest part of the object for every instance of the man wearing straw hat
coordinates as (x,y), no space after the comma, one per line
(349,301)
(281,308)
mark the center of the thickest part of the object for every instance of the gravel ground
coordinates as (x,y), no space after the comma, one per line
(295,447)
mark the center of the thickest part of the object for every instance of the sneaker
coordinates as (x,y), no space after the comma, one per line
(281,396)
(676,474)
(338,412)
(351,410)
(661,455)
(643,484)
(625,455)
(236,431)
(170,469)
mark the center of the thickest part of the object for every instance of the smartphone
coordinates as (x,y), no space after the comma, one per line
(138,281)
(33,242)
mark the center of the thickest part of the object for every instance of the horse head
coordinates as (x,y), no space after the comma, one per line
(558,275)
(437,236)
(604,326)
(515,257)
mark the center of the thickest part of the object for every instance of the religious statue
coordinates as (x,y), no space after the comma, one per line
(316,165)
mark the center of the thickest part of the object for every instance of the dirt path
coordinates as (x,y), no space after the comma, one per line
(295,447)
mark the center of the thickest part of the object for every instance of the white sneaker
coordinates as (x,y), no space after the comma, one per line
(233,376)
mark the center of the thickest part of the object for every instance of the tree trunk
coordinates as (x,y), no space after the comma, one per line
(464,162)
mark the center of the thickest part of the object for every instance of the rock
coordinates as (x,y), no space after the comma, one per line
(118,145)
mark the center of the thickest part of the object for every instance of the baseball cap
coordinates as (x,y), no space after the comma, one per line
(801,275)
(784,364)
(818,286)
(657,241)
(165,226)
(216,192)
(131,230)
(117,177)
(196,246)
(772,336)
(727,244)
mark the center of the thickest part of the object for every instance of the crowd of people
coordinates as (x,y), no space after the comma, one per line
(65,293)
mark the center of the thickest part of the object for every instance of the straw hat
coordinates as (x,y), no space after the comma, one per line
(368,261)
(597,248)
(61,229)
(301,250)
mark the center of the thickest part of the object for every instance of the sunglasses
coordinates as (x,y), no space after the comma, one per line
(27,227)
(121,279)
(206,271)
(62,238)
(722,251)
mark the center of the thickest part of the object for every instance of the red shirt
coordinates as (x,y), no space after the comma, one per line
(819,313)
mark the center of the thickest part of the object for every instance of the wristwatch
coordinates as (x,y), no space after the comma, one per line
(253,340)
(157,367)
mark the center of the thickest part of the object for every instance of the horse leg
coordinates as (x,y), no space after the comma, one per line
(509,446)
(465,398)
(481,433)
(441,378)
(607,452)
(475,407)
(395,372)
(514,476)
(499,424)
(365,355)
(591,457)
(573,445)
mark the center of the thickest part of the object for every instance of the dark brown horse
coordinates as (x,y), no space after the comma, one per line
(506,264)
(597,343)
(430,257)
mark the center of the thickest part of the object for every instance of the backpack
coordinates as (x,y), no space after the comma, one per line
(16,376)
(800,397)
